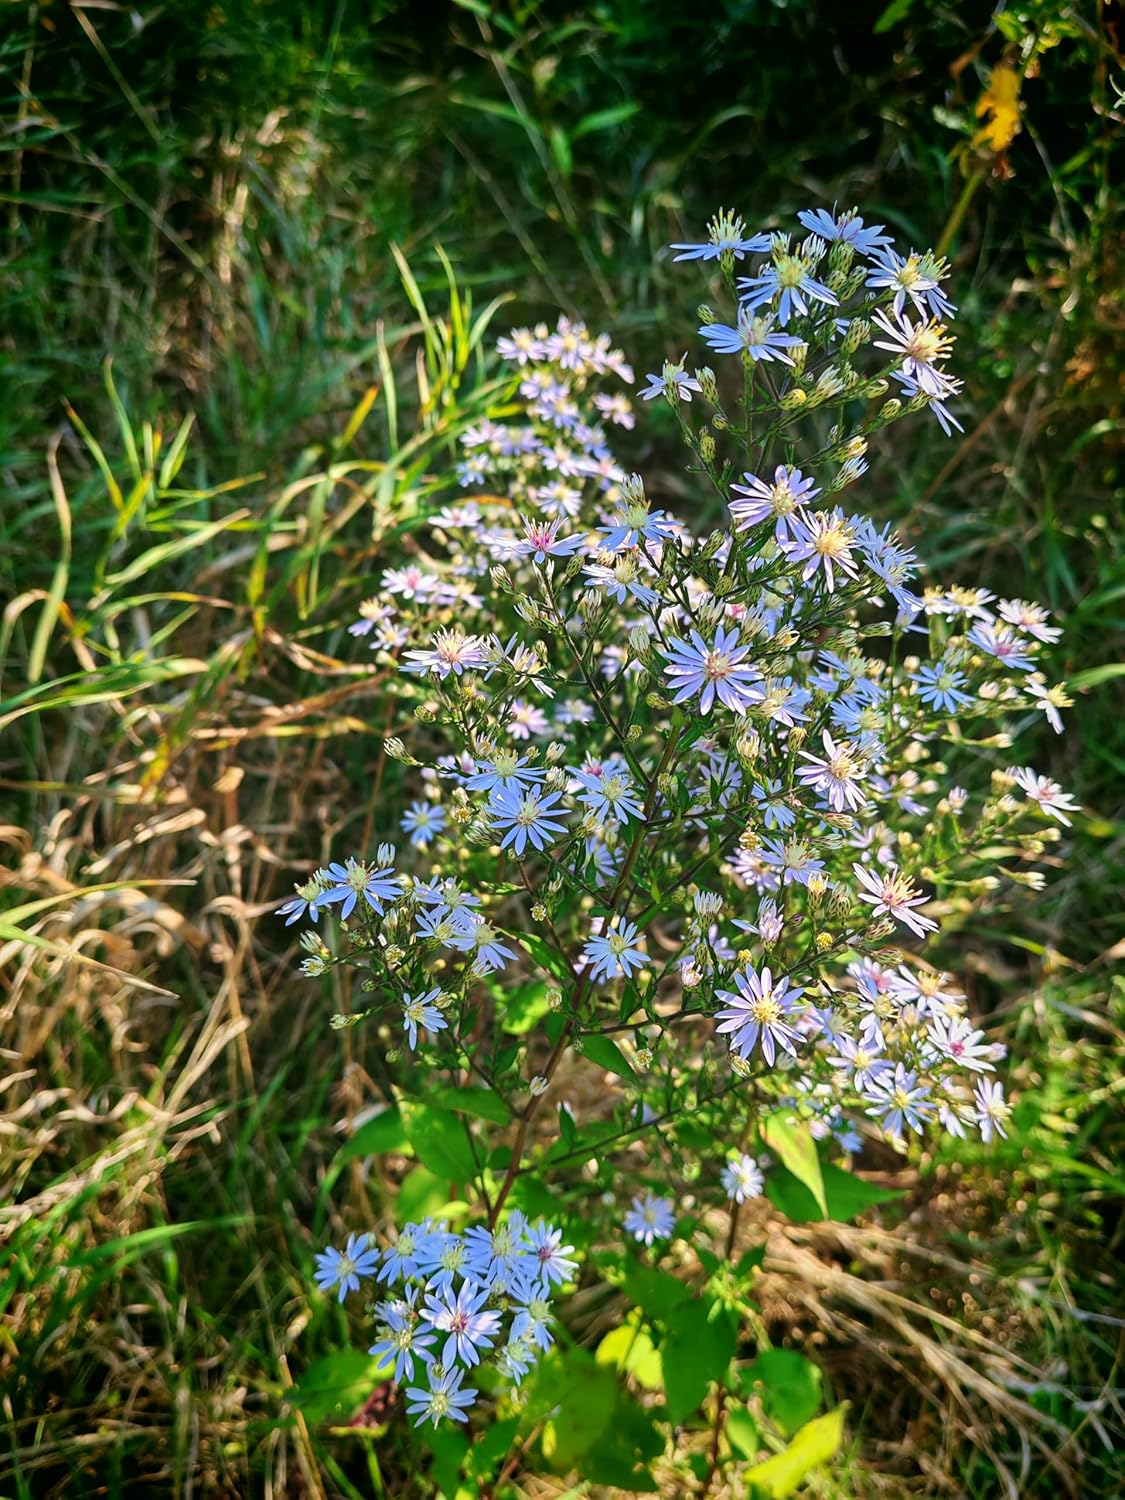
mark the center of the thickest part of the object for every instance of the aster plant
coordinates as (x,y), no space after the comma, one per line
(694,806)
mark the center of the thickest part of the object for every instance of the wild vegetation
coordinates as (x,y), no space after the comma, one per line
(255,263)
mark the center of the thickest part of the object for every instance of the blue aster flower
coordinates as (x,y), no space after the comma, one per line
(469,1324)
(403,1339)
(505,771)
(789,279)
(673,381)
(609,795)
(343,1268)
(761,1010)
(420,1010)
(529,816)
(651,1219)
(612,953)
(423,823)
(712,671)
(846,227)
(355,879)
(939,685)
(445,1398)
(753,336)
(899,1101)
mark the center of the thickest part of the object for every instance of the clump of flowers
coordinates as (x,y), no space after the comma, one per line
(456,1301)
(719,789)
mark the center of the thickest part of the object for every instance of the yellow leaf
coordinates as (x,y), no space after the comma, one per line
(999,106)
(815,1444)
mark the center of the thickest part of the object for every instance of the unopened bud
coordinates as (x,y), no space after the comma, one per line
(793,400)
(706,447)
(859,331)
(640,642)
(708,389)
(500,579)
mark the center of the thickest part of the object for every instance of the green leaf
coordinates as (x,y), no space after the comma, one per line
(439,1141)
(630,1348)
(546,957)
(332,1389)
(793,1143)
(604,119)
(449,1446)
(846,1194)
(656,1291)
(742,1432)
(812,1446)
(483,1104)
(422,1195)
(608,1055)
(577,1395)
(897,11)
(489,1452)
(789,1385)
(382,1133)
(560,150)
(695,1351)
(520,1010)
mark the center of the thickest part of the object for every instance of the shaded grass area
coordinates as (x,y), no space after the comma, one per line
(212,204)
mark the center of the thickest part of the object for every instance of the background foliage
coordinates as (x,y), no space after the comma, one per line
(225,390)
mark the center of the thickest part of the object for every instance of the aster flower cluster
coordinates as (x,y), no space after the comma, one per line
(456,1302)
(716,793)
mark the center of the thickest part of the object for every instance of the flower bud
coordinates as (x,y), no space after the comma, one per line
(708,389)
(704,314)
(840,258)
(859,331)
(500,579)
(793,400)
(706,447)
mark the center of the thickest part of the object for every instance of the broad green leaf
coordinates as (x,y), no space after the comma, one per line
(630,1348)
(696,1350)
(520,1010)
(448,1446)
(577,1395)
(333,1388)
(382,1133)
(439,1140)
(608,1055)
(618,1459)
(813,1445)
(483,1104)
(656,1291)
(789,1387)
(792,1142)
(742,1432)
(546,957)
(846,1195)
(492,1448)
(422,1195)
